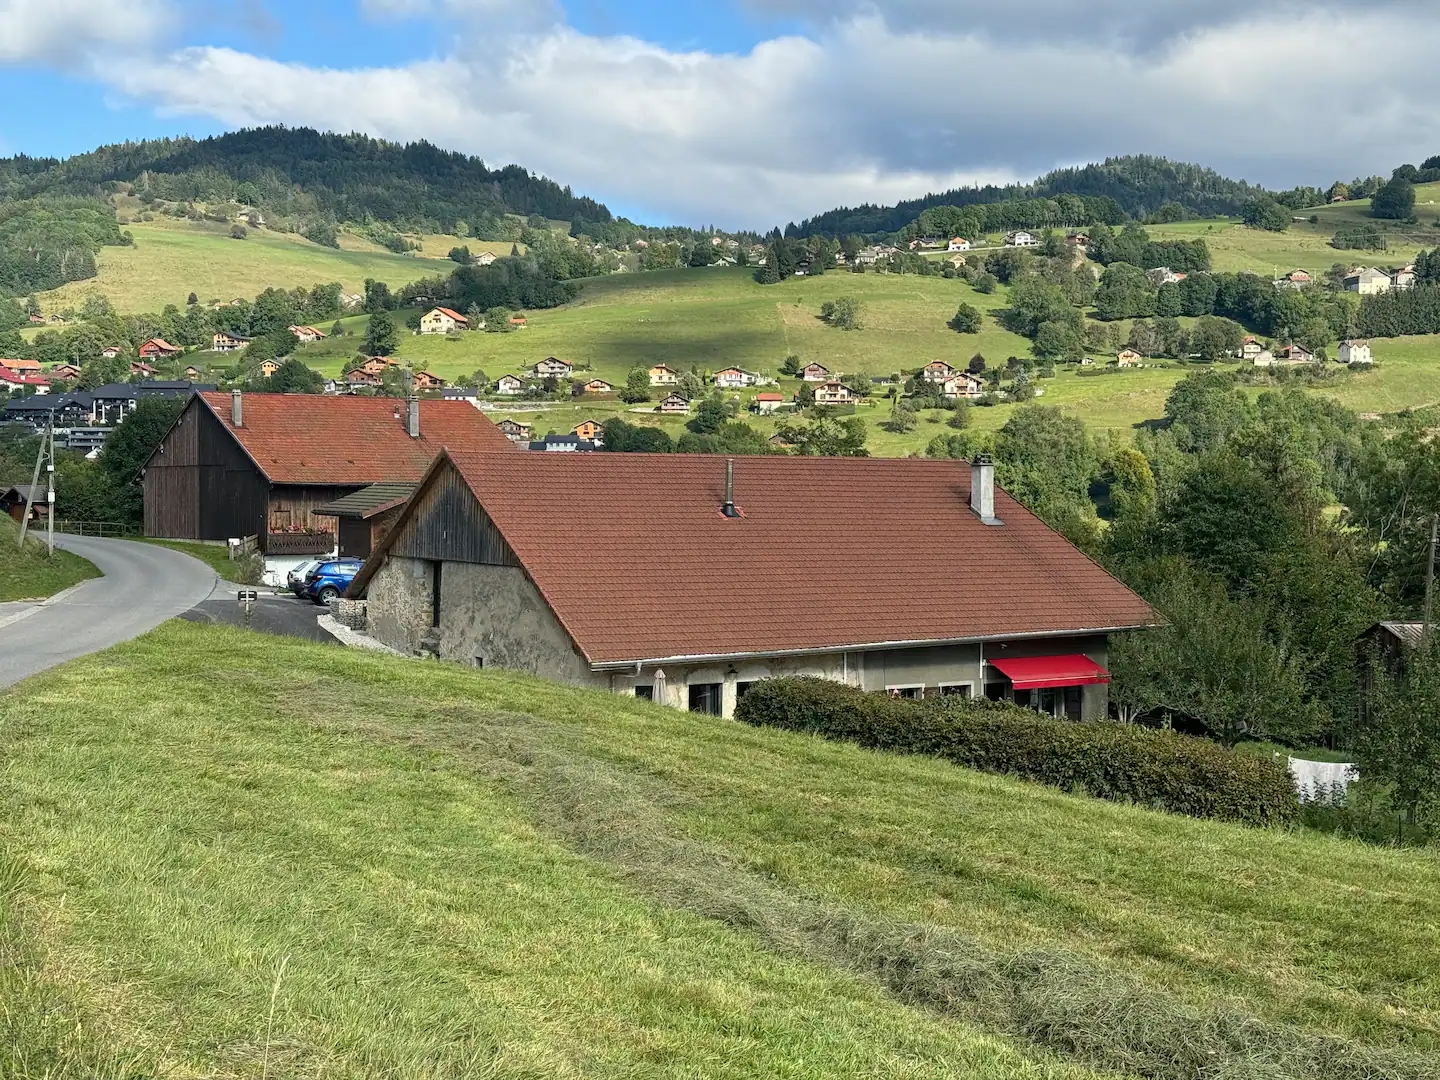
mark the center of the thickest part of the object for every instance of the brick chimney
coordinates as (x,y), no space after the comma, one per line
(982,489)
(237,413)
(412,424)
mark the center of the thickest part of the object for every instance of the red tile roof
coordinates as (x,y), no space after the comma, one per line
(453,314)
(310,439)
(664,574)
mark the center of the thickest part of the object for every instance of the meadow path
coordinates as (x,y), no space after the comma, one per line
(143,585)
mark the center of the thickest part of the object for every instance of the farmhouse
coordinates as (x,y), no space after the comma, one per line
(1295,279)
(766,403)
(24,367)
(1128,358)
(1250,348)
(1403,278)
(66,372)
(1367,281)
(361,377)
(674,403)
(937,371)
(598,386)
(663,375)
(260,465)
(485,258)
(734,378)
(553,367)
(509,385)
(442,320)
(425,380)
(1355,351)
(833,392)
(225,342)
(306,334)
(192,372)
(158,349)
(1295,353)
(478,570)
(963,384)
(1020,239)
(514,430)
(959,243)
(1264,358)
(815,373)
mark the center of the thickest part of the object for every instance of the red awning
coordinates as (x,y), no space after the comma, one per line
(1037,672)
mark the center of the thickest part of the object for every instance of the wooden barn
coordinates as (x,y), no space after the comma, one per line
(261,465)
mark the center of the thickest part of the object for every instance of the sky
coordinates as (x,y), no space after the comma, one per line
(750,113)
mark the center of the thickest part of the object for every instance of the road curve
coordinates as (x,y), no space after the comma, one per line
(144,584)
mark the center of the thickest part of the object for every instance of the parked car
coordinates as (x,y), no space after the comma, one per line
(296,578)
(330,579)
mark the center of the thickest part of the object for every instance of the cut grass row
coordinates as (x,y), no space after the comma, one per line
(480,867)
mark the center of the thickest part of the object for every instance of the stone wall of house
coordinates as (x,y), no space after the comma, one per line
(731,678)
(398,603)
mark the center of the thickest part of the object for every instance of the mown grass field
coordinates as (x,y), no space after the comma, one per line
(172,259)
(33,574)
(432,871)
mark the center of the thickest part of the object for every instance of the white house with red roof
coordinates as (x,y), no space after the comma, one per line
(306,335)
(768,402)
(442,320)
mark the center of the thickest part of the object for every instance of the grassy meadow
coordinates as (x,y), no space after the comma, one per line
(230,854)
(33,574)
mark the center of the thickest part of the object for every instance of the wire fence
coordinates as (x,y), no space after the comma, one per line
(96,528)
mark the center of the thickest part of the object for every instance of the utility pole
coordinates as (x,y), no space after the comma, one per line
(34,482)
(50,493)
(1430,573)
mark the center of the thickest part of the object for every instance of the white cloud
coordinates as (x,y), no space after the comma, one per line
(860,112)
(69,32)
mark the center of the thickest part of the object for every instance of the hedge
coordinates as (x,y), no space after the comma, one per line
(1159,769)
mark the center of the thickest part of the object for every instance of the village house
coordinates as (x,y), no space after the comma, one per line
(442,320)
(663,375)
(963,384)
(1020,239)
(485,258)
(11,381)
(1163,275)
(110,352)
(376,365)
(425,380)
(24,367)
(509,385)
(1403,278)
(588,430)
(815,373)
(674,404)
(936,371)
(959,243)
(834,393)
(158,349)
(1294,353)
(519,322)
(734,378)
(1355,351)
(268,368)
(514,430)
(144,370)
(1367,281)
(306,335)
(471,572)
(65,372)
(598,386)
(25,501)
(563,444)
(192,372)
(553,367)
(1128,358)
(1295,279)
(1078,240)
(766,403)
(226,342)
(957,261)
(260,465)
(1250,348)
(351,301)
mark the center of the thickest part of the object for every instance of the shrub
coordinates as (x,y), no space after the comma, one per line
(1158,769)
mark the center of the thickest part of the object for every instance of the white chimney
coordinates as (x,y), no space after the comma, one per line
(236,411)
(982,489)
(413,424)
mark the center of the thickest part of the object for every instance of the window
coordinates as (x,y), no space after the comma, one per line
(435,593)
(646,692)
(706,698)
(912,693)
(995,691)
(741,689)
(962,690)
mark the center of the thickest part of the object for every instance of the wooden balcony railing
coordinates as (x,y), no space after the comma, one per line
(299,543)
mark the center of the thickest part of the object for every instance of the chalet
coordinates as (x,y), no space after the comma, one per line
(663,375)
(1295,279)
(867,256)
(1250,348)
(598,386)
(25,500)
(1355,351)
(363,517)
(424,380)
(110,352)
(588,430)
(1128,358)
(306,335)
(1367,281)
(552,367)
(833,393)
(734,378)
(144,370)
(261,465)
(937,371)
(1295,354)
(815,373)
(514,430)
(64,372)
(358,378)
(268,368)
(485,258)
(11,381)
(674,403)
(766,403)
(564,444)
(442,320)
(1403,278)
(375,365)
(158,349)
(959,243)
(25,367)
(192,372)
(477,543)
(509,385)
(1020,239)
(963,384)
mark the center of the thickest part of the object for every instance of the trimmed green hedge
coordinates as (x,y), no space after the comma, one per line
(1158,769)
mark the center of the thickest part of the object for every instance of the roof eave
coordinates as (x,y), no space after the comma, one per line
(872,646)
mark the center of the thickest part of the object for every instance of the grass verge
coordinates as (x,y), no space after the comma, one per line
(32,573)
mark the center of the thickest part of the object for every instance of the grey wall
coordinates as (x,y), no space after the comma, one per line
(398,611)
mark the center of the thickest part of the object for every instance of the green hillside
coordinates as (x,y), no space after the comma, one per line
(31,573)
(230,854)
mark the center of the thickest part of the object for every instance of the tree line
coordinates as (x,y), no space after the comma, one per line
(46,242)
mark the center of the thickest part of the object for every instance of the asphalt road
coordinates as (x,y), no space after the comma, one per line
(274,613)
(144,584)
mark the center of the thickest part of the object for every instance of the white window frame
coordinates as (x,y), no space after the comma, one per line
(969,686)
(907,686)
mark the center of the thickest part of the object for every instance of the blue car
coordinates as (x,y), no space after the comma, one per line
(328,580)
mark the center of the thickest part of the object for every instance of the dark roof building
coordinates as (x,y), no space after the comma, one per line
(677,589)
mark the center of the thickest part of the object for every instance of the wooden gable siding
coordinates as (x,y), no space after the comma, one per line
(292,506)
(448,524)
(200,485)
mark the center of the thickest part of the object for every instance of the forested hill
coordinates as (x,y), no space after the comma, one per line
(1139,184)
(308,176)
